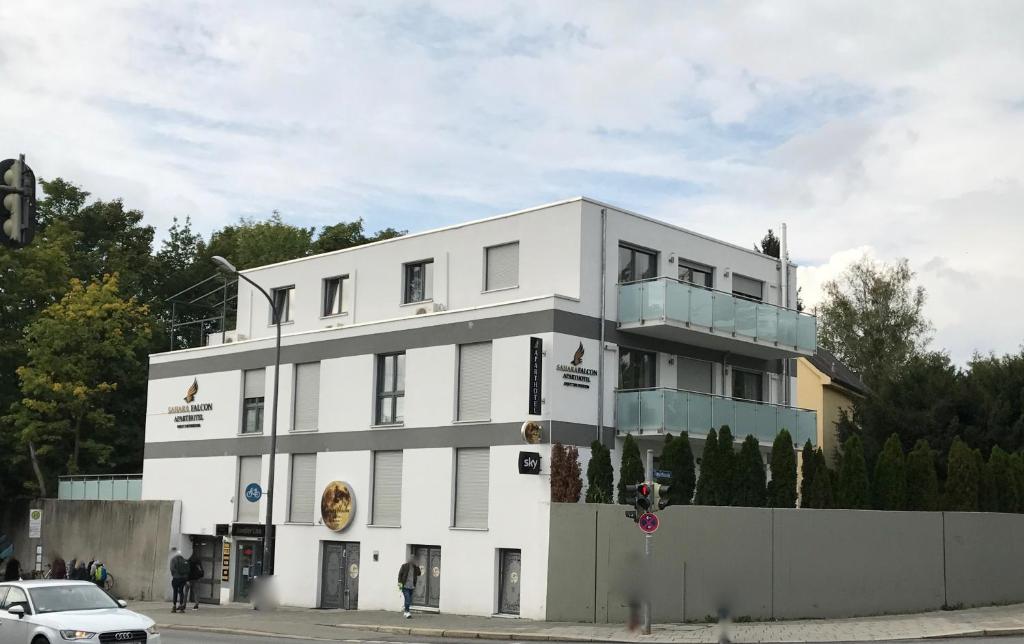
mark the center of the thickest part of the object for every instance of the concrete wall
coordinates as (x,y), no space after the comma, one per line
(133,539)
(780,563)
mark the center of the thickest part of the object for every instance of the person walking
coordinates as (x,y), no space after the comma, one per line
(82,572)
(59,569)
(407,576)
(13,570)
(195,573)
(179,577)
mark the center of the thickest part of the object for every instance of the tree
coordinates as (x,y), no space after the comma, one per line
(782,487)
(872,318)
(962,478)
(854,491)
(922,481)
(820,493)
(725,460)
(1017,467)
(1004,481)
(769,245)
(600,476)
(891,476)
(347,234)
(750,476)
(807,467)
(258,243)
(988,500)
(707,482)
(677,457)
(566,483)
(631,468)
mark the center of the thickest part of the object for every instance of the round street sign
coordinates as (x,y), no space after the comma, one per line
(253,492)
(648,522)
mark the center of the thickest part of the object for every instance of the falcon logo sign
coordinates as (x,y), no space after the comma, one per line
(193,389)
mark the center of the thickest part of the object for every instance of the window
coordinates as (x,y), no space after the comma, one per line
(390,389)
(16,597)
(306,410)
(419,281)
(254,390)
(696,274)
(694,375)
(472,476)
(502,267)
(387,489)
(283,301)
(337,296)
(747,287)
(249,469)
(301,492)
(748,385)
(637,369)
(636,264)
(474,400)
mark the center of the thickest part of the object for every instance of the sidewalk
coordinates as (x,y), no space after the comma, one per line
(335,625)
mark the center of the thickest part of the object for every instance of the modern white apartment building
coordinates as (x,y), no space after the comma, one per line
(409,367)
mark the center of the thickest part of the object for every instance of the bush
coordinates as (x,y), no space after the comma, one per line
(750,477)
(631,468)
(891,476)
(807,466)
(600,476)
(922,481)
(987,500)
(782,487)
(961,478)
(1017,466)
(821,494)
(854,490)
(725,460)
(677,457)
(1004,480)
(706,483)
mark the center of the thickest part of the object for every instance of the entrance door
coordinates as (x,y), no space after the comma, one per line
(339,576)
(248,563)
(208,550)
(509,581)
(428,586)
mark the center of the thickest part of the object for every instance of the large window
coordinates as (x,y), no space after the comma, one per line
(337,295)
(249,470)
(696,274)
(747,287)
(502,267)
(637,369)
(472,478)
(474,400)
(302,491)
(307,397)
(748,385)
(387,489)
(694,375)
(636,264)
(283,301)
(390,389)
(254,389)
(419,281)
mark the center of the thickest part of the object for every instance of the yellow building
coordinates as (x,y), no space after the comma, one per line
(826,385)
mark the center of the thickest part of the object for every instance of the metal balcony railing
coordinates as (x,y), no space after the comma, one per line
(104,487)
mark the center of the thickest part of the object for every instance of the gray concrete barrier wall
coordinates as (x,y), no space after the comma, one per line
(984,558)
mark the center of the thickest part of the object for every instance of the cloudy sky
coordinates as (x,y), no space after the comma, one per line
(891,129)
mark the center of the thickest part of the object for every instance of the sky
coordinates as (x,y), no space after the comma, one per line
(892,130)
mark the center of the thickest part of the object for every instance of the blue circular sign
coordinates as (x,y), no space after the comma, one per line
(253,492)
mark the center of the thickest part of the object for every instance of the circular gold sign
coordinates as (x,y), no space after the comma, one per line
(530,432)
(337,505)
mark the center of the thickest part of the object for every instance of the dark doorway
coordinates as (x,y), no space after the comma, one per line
(428,586)
(248,564)
(509,581)
(208,549)
(339,577)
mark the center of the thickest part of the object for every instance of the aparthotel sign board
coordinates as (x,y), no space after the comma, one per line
(575,374)
(190,415)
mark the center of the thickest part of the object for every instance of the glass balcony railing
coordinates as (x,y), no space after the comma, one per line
(661,410)
(664,299)
(113,487)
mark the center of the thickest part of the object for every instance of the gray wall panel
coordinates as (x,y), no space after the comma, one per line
(985,558)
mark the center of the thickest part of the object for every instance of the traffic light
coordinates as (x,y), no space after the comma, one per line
(643,497)
(660,496)
(17,203)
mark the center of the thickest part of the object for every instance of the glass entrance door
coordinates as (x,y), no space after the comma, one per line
(248,564)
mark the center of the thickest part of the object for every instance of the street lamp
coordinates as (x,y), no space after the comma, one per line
(268,549)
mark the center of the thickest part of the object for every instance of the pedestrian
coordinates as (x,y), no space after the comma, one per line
(59,569)
(99,574)
(407,576)
(179,577)
(195,573)
(82,572)
(13,570)
(73,569)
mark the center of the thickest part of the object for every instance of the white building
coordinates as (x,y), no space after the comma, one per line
(406,374)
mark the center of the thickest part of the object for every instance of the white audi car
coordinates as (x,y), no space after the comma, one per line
(50,611)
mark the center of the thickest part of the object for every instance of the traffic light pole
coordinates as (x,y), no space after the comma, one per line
(646,627)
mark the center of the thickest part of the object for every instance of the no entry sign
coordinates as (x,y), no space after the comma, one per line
(648,522)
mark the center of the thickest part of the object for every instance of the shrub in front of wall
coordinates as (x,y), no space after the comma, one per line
(807,467)
(631,468)
(961,479)
(600,477)
(782,487)
(854,489)
(750,476)
(706,482)
(922,480)
(891,476)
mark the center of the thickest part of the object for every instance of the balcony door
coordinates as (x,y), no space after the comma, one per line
(637,369)
(747,385)
(636,264)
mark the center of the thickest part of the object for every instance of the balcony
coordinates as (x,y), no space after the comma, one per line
(669,309)
(661,410)
(113,487)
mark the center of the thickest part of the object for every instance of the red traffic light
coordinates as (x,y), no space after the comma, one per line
(644,490)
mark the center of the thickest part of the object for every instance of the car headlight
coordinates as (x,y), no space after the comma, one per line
(153,630)
(77,635)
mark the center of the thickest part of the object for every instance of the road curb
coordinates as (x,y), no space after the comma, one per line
(224,630)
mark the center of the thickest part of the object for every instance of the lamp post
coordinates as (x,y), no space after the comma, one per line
(268,536)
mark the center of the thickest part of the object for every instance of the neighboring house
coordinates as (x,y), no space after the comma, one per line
(826,385)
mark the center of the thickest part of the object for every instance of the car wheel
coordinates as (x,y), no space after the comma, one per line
(39,639)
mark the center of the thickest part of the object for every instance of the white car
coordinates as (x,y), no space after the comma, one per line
(51,611)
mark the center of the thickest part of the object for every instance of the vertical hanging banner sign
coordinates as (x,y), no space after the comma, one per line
(536,371)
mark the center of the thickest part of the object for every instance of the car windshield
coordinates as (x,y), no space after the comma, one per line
(53,599)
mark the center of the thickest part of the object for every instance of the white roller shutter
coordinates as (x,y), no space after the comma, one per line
(307,396)
(747,286)
(502,266)
(694,375)
(475,381)
(387,488)
(301,492)
(255,383)
(248,472)
(472,477)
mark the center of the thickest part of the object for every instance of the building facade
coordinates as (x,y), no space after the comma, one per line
(409,368)
(826,385)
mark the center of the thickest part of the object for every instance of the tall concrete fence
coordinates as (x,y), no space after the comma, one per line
(132,538)
(780,563)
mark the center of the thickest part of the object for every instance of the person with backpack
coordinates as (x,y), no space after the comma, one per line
(99,574)
(179,577)
(195,573)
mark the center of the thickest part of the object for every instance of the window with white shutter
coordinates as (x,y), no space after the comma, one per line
(474,381)
(301,492)
(307,396)
(253,390)
(472,477)
(387,489)
(502,267)
(249,468)
(747,287)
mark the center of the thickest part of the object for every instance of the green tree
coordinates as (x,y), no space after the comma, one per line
(820,493)
(890,485)
(267,242)
(854,491)
(631,468)
(782,486)
(725,456)
(677,457)
(1004,480)
(922,481)
(807,472)
(566,483)
(348,234)
(1017,467)
(707,482)
(988,500)
(769,245)
(962,478)
(600,476)
(750,476)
